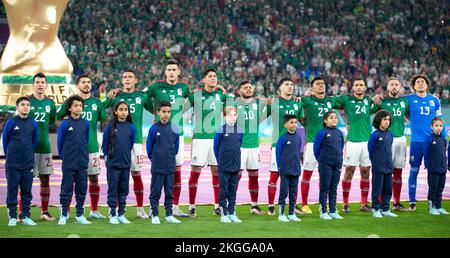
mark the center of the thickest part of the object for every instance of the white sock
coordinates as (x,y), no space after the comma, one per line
(191,206)
(254,203)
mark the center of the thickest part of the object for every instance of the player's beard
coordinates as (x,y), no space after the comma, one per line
(394,94)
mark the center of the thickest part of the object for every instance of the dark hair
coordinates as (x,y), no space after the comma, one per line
(40,75)
(114,121)
(436,119)
(358,79)
(418,76)
(129,71)
(379,117)
(285,79)
(70,101)
(288,117)
(327,114)
(244,82)
(22,99)
(205,73)
(172,62)
(318,78)
(81,77)
(164,104)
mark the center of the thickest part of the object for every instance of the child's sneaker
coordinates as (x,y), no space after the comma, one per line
(283,218)
(96,215)
(389,214)
(335,215)
(177,212)
(434,211)
(62,220)
(123,220)
(325,216)
(113,220)
(12,222)
(28,222)
(234,218)
(155,220)
(173,220)
(140,213)
(293,218)
(443,211)
(82,220)
(376,214)
(225,219)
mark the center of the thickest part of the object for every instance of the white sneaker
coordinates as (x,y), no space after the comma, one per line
(283,218)
(141,213)
(225,219)
(113,220)
(96,215)
(123,220)
(335,215)
(389,214)
(82,220)
(172,219)
(12,222)
(177,212)
(377,214)
(234,218)
(155,220)
(293,218)
(325,216)
(443,211)
(62,220)
(28,222)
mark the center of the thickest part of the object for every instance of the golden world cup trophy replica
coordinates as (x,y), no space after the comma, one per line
(33,46)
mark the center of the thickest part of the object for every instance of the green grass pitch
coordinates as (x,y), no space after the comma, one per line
(207,225)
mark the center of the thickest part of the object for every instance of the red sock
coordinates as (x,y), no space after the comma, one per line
(346,186)
(272,187)
(138,189)
(19,199)
(364,185)
(239,179)
(305,186)
(380,199)
(253,185)
(177,185)
(397,185)
(94,193)
(45,196)
(216,187)
(193,182)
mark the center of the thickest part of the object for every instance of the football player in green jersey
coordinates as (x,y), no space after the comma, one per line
(175,92)
(137,101)
(283,104)
(251,111)
(43,111)
(358,108)
(93,112)
(207,104)
(314,106)
(398,106)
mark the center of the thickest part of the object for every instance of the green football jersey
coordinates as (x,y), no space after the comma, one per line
(398,108)
(44,113)
(358,113)
(175,94)
(93,112)
(315,109)
(137,101)
(278,108)
(208,112)
(249,118)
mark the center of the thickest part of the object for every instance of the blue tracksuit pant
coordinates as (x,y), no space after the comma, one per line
(158,182)
(381,185)
(228,186)
(436,184)
(79,177)
(329,181)
(118,188)
(16,178)
(288,185)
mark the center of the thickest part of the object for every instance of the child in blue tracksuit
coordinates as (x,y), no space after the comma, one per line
(288,155)
(380,154)
(118,140)
(72,141)
(437,164)
(162,147)
(328,145)
(227,149)
(19,140)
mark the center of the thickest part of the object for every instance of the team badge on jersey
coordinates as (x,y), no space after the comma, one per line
(217,96)
(295,107)
(94,107)
(402,104)
(255,107)
(138,100)
(431,103)
(328,104)
(47,109)
(180,92)
(366,102)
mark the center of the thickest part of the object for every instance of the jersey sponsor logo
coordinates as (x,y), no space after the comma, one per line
(121,99)
(380,139)
(289,142)
(389,104)
(328,135)
(226,135)
(94,107)
(16,128)
(434,142)
(316,104)
(138,100)
(353,102)
(158,134)
(70,129)
(31,108)
(163,91)
(416,101)
(239,107)
(281,106)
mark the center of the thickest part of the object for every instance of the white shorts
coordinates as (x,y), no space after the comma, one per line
(203,153)
(273,160)
(43,164)
(399,151)
(357,154)
(180,154)
(94,164)
(309,162)
(137,158)
(250,158)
